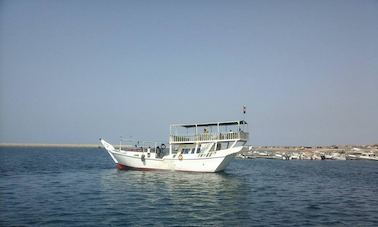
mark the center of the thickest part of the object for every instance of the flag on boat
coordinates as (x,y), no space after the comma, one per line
(244,109)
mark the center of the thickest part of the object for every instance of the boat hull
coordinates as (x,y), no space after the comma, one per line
(187,162)
(213,164)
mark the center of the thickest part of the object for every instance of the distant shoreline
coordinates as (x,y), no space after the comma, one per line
(50,145)
(273,148)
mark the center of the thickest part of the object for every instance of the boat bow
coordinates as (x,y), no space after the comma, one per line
(110,149)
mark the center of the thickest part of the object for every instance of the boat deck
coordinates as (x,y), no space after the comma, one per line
(206,137)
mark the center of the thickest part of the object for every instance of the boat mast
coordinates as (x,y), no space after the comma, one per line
(170,138)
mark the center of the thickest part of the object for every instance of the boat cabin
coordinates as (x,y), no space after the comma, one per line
(204,138)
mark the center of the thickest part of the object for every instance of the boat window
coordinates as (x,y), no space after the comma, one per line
(223,145)
(198,150)
(240,143)
(193,150)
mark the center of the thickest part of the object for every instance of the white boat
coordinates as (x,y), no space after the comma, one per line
(362,156)
(201,147)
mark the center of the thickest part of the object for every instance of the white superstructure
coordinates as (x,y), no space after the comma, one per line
(205,147)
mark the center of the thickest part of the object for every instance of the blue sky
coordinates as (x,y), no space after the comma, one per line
(74,71)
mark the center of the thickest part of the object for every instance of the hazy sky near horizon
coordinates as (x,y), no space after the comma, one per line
(74,71)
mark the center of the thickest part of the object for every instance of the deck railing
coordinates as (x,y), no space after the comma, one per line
(208,137)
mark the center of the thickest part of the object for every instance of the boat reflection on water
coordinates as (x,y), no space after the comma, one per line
(176,197)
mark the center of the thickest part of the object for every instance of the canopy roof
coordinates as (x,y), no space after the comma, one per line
(224,123)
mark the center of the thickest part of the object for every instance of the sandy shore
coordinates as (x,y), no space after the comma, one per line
(49,145)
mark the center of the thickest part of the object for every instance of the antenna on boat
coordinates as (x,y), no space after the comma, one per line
(120,143)
(244,111)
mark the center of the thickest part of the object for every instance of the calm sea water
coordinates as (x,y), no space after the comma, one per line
(80,186)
